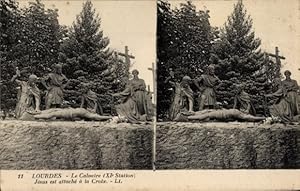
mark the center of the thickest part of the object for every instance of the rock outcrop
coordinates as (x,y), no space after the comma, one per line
(74,145)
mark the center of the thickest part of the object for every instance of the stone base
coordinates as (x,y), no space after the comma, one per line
(74,145)
(227,146)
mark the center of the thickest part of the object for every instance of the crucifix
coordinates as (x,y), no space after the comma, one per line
(276,55)
(126,55)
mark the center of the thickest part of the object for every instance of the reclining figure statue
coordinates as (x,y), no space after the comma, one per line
(70,114)
(223,115)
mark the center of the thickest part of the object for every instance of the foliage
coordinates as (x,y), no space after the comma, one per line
(9,17)
(33,40)
(238,59)
(184,44)
(87,58)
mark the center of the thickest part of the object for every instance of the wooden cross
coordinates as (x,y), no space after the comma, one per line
(276,55)
(126,55)
(149,89)
(154,80)
(153,69)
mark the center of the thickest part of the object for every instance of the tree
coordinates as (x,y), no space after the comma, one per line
(184,45)
(32,43)
(165,36)
(39,40)
(238,59)
(87,58)
(9,16)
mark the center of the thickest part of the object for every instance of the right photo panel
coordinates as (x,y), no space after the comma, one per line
(228,77)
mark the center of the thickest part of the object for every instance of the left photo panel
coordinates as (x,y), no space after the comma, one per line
(77,84)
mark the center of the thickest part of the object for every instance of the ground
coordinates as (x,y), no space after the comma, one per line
(227,146)
(75,145)
(103,145)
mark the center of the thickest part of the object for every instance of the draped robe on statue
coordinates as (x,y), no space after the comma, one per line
(28,98)
(90,101)
(281,107)
(182,91)
(292,87)
(55,93)
(134,103)
(208,97)
(139,95)
(243,99)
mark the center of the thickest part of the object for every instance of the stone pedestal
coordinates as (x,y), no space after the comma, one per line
(74,145)
(227,146)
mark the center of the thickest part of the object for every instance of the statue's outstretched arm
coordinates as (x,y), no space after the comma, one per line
(44,82)
(14,78)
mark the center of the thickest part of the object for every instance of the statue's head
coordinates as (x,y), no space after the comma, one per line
(135,73)
(171,72)
(241,87)
(84,87)
(186,79)
(32,78)
(58,68)
(210,69)
(287,74)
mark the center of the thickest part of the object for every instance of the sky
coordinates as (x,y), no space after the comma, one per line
(131,23)
(275,22)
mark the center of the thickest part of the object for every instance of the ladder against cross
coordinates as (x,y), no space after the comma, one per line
(126,55)
(276,56)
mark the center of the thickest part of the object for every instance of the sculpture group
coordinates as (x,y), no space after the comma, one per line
(134,102)
(283,102)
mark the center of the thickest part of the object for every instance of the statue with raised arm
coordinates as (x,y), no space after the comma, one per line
(55,83)
(242,101)
(182,93)
(206,83)
(29,98)
(292,88)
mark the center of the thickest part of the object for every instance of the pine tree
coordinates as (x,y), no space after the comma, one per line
(184,45)
(192,40)
(239,59)
(87,58)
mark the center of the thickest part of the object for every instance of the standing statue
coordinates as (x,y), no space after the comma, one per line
(182,92)
(133,106)
(187,93)
(243,100)
(281,108)
(29,98)
(208,93)
(89,100)
(291,87)
(139,93)
(55,83)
